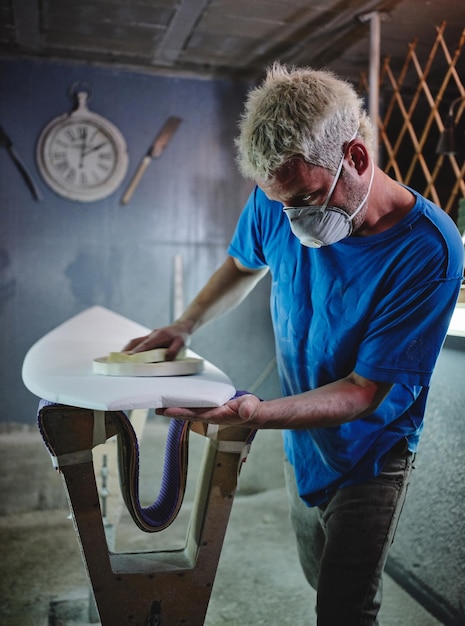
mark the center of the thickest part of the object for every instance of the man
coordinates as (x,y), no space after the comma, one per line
(365,276)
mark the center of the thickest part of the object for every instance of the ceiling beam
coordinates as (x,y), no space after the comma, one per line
(26,19)
(180,30)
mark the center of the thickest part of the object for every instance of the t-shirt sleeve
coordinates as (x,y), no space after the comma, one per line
(404,339)
(246,243)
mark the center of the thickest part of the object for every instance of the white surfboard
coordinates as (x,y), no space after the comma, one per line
(60,368)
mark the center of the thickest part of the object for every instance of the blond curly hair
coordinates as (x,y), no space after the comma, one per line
(298,112)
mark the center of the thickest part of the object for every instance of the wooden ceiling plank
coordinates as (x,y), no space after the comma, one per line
(26,19)
(180,30)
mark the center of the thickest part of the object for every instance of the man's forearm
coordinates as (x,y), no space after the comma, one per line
(226,288)
(342,401)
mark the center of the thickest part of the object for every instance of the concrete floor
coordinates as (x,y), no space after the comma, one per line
(43,580)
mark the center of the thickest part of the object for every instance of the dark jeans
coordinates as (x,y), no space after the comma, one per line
(343,544)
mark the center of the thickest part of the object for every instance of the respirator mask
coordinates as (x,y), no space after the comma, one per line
(323,225)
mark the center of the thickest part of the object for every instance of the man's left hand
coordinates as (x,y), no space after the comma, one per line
(237,412)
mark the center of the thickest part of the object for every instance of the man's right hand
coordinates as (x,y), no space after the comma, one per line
(174,338)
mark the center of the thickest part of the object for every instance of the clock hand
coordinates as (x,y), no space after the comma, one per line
(94,148)
(82,154)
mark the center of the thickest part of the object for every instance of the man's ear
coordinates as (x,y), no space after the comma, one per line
(357,156)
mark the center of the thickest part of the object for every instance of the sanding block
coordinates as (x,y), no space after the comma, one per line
(149,356)
(148,363)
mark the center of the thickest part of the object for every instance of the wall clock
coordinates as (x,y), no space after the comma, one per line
(81,155)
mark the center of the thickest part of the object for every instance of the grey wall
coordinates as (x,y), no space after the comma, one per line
(428,554)
(59,257)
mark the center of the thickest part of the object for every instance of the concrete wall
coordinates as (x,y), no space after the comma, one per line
(428,554)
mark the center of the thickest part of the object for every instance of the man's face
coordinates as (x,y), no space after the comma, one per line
(298,184)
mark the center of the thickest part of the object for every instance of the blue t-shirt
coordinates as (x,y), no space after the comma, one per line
(377,305)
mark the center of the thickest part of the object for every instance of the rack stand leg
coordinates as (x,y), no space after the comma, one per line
(163,588)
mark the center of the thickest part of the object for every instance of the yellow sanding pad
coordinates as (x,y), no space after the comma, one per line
(149,356)
(116,365)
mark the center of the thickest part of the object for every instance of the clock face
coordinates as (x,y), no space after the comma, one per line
(82,157)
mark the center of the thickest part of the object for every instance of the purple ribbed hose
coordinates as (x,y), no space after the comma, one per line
(164,509)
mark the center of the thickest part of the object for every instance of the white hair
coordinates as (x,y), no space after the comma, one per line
(298,112)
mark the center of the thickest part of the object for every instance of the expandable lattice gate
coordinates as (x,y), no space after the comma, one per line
(411,122)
